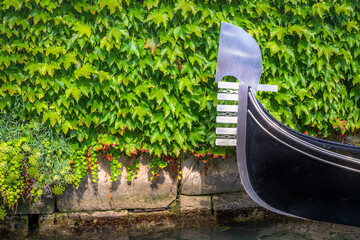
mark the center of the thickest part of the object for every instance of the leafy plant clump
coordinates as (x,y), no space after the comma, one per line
(32,158)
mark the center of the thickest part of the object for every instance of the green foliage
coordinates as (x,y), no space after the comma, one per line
(118,77)
(28,162)
(2,212)
(58,189)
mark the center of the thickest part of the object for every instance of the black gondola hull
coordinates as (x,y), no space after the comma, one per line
(293,174)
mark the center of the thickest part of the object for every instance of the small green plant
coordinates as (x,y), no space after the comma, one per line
(132,170)
(58,189)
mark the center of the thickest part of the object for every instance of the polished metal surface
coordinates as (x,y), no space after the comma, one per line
(238,56)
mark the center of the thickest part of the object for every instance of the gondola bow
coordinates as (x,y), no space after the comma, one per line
(285,171)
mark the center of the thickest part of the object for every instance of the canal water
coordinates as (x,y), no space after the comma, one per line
(279,230)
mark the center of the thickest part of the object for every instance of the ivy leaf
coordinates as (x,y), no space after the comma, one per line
(111,4)
(320,8)
(65,126)
(152,43)
(117,32)
(134,48)
(274,48)
(40,106)
(178,138)
(279,32)
(82,29)
(51,116)
(141,111)
(344,8)
(74,91)
(69,59)
(185,7)
(85,70)
(198,135)
(303,92)
(159,17)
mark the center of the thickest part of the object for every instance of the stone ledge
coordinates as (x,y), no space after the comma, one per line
(152,223)
(194,203)
(233,202)
(68,223)
(196,210)
(238,207)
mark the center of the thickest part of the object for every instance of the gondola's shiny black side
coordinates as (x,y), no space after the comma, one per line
(300,175)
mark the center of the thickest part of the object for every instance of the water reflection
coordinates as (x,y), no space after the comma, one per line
(289,230)
(280,230)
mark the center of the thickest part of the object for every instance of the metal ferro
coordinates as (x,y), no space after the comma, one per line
(239,56)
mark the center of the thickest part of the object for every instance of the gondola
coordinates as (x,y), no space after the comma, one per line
(283,170)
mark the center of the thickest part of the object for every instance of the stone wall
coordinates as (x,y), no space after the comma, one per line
(205,192)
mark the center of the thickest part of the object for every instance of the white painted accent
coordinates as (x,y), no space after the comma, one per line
(231,131)
(225,142)
(227,108)
(220,119)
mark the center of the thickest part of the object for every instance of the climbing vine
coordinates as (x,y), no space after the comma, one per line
(120,77)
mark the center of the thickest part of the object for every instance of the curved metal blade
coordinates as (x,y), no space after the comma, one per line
(239,56)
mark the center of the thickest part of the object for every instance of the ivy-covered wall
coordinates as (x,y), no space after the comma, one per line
(120,77)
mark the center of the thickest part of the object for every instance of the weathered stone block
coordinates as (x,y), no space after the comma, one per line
(43,206)
(233,202)
(215,176)
(140,193)
(13,227)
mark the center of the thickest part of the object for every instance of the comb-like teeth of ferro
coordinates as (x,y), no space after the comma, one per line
(226,136)
(227,97)
(223,130)
(228,91)
(235,85)
(225,142)
(227,108)
(221,119)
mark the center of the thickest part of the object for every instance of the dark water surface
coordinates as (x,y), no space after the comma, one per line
(227,231)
